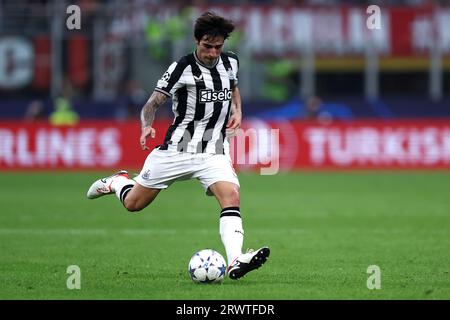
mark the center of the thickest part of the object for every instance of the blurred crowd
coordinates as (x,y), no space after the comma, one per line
(41,8)
(31,5)
(152,43)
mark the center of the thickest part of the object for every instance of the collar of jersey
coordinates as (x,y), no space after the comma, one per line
(204,65)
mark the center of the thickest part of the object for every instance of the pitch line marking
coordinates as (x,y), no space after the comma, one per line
(134,232)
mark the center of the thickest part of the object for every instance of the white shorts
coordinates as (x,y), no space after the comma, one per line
(163,167)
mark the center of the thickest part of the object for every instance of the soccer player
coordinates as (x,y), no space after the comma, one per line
(206,104)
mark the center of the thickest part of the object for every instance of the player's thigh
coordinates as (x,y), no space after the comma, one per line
(216,168)
(139,197)
(162,168)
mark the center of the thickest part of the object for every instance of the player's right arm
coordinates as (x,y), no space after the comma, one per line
(148,112)
(169,83)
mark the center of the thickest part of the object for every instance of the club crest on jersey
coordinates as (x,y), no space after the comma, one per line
(208,95)
(231,74)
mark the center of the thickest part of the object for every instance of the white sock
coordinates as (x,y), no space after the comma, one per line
(231,232)
(121,186)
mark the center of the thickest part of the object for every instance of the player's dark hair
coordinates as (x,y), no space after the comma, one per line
(212,25)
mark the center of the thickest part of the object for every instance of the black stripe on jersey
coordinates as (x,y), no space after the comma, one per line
(207,135)
(175,76)
(223,132)
(199,107)
(227,65)
(181,109)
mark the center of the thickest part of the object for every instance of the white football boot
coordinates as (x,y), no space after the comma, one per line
(102,186)
(247,262)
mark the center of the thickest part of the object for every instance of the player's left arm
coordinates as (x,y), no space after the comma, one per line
(236,110)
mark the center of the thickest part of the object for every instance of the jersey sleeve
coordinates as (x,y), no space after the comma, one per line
(171,80)
(234,61)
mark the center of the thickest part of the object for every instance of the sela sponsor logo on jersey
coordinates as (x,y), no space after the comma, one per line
(208,95)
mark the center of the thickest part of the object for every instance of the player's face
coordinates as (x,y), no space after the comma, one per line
(209,49)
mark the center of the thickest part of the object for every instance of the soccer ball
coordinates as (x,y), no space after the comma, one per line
(207,266)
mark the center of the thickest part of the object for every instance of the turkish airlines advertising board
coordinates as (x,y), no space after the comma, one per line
(266,146)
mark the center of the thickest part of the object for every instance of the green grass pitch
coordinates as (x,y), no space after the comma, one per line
(324,229)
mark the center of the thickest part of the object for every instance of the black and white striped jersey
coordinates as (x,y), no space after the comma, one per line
(201,103)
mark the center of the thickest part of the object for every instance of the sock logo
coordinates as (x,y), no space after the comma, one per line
(239,231)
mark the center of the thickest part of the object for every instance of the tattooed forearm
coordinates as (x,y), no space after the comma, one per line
(149,109)
(236,99)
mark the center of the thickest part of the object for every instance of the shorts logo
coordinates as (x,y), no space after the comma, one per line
(208,95)
(146,174)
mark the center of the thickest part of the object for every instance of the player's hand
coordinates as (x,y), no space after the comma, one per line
(233,124)
(145,133)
